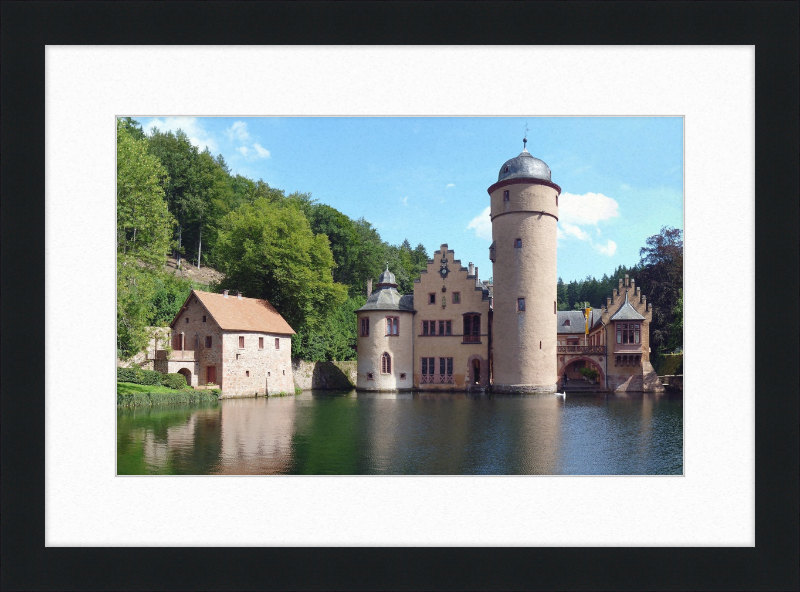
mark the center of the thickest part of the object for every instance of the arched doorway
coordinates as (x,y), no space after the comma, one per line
(571,368)
(476,371)
(187,374)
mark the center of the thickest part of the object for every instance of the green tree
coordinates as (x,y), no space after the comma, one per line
(144,230)
(270,252)
(676,328)
(661,279)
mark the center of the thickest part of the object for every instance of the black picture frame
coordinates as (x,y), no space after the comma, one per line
(27,27)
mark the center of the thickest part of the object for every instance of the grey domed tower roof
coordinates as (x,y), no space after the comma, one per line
(524,166)
(386,278)
(386,296)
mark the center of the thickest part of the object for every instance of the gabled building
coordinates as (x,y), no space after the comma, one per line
(241,345)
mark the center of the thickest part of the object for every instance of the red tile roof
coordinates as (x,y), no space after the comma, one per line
(245,314)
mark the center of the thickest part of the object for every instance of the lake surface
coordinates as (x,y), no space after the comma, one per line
(324,433)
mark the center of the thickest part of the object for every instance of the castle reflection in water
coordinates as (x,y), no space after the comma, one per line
(353,433)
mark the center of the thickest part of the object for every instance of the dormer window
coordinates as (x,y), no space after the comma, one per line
(505,170)
(567,323)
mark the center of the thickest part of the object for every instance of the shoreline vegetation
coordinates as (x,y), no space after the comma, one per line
(137,395)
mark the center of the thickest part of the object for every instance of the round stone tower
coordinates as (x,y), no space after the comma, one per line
(524,213)
(386,338)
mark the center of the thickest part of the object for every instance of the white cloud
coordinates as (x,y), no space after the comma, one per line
(404,200)
(190,125)
(237,132)
(482,225)
(574,231)
(254,153)
(261,151)
(589,208)
(608,249)
(449,185)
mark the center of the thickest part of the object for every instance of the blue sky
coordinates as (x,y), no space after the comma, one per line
(425,179)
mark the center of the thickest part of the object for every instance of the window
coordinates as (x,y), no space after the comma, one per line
(429,327)
(518,243)
(520,304)
(432,298)
(445,327)
(456,297)
(554,307)
(365,326)
(241,341)
(505,193)
(505,170)
(187,320)
(208,340)
(403,376)
(260,343)
(277,343)
(370,376)
(392,325)
(247,373)
(472,328)
(628,333)
(176,342)
(446,370)
(204,318)
(567,323)
(386,363)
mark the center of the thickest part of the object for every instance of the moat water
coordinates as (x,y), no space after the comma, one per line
(324,433)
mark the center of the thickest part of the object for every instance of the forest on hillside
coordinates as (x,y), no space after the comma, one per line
(307,258)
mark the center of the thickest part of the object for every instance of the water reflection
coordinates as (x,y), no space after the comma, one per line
(322,433)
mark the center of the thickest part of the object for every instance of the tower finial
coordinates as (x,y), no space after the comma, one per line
(525,139)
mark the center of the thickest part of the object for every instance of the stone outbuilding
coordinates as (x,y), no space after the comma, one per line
(240,345)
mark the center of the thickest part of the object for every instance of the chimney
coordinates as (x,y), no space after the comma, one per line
(477,281)
(369,287)
(238,294)
(627,280)
(633,283)
(471,268)
(224,293)
(608,303)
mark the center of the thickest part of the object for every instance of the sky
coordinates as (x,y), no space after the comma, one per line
(425,179)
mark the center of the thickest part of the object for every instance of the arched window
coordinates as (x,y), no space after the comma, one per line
(386,363)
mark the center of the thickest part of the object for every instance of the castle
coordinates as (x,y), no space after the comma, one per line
(458,333)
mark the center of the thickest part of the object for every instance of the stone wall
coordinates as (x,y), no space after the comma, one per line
(324,375)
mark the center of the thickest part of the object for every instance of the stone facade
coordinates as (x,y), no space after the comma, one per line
(442,331)
(374,347)
(240,362)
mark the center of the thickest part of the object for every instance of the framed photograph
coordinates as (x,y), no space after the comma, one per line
(717,526)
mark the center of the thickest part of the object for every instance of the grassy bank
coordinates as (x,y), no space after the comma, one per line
(136,395)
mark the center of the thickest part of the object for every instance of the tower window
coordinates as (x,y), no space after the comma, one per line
(505,170)
(370,376)
(505,193)
(432,298)
(520,304)
(392,325)
(365,327)
(386,363)
(518,243)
